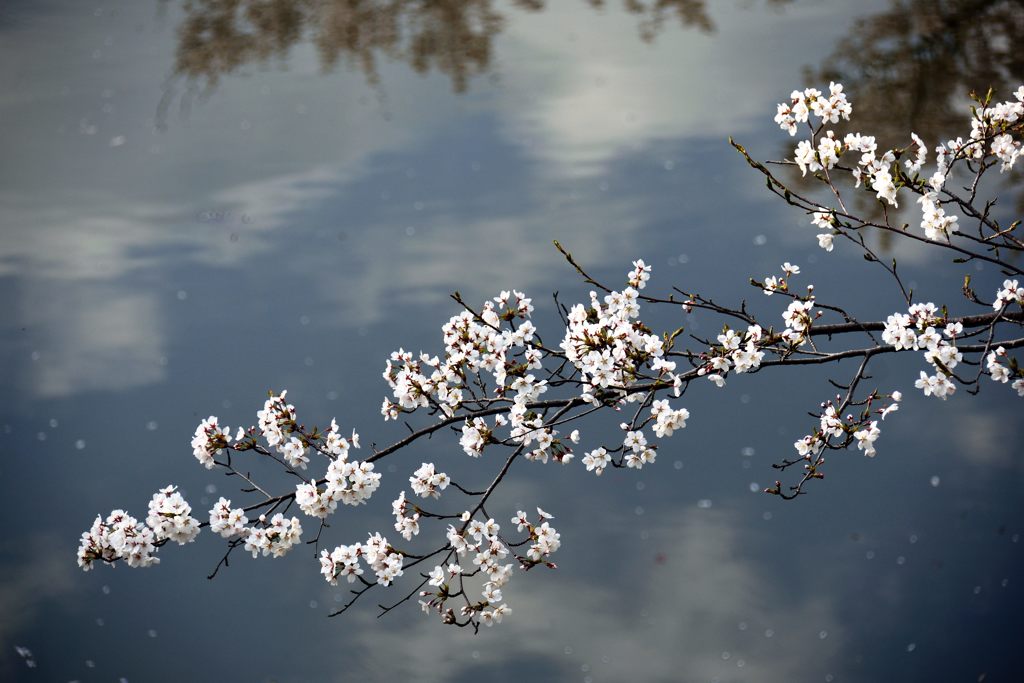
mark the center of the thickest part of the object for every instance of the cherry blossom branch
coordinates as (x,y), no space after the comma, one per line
(488,384)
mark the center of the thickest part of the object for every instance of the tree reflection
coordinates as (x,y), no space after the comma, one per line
(911,67)
(452,37)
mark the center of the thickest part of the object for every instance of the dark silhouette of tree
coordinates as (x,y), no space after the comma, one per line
(912,66)
(452,37)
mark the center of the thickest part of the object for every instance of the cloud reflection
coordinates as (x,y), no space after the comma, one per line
(95,338)
(25,588)
(703,612)
(577,106)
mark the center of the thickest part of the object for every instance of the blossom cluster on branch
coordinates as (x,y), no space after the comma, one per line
(505,391)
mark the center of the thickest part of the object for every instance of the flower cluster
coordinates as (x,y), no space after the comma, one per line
(123,537)
(427,482)
(474,344)
(227,521)
(351,482)
(334,444)
(277,424)
(342,561)
(666,419)
(774,283)
(831,425)
(376,552)
(825,220)
(526,427)
(1001,373)
(475,435)
(479,539)
(273,538)
(607,342)
(813,443)
(797,317)
(637,452)
(170,517)
(638,277)
(276,420)
(119,537)
(990,122)
(811,100)
(544,539)
(737,351)
(405,523)
(875,171)
(866,438)
(1010,292)
(993,131)
(597,460)
(488,352)
(482,541)
(935,222)
(210,440)
(314,502)
(916,330)
(440,575)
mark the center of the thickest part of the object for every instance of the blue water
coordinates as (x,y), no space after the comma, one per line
(187,225)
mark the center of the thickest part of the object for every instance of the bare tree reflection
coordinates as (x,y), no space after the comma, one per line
(452,37)
(653,15)
(902,64)
(912,66)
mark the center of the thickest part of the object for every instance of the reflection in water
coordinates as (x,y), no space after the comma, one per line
(30,577)
(910,67)
(98,338)
(453,37)
(101,242)
(704,612)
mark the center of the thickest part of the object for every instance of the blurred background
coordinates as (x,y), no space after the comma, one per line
(205,200)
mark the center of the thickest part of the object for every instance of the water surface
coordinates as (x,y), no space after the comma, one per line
(205,200)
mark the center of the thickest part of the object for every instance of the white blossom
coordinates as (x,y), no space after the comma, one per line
(227,521)
(596,460)
(210,440)
(170,517)
(866,439)
(428,483)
